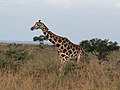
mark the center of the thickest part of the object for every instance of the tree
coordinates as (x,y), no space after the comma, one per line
(99,48)
(40,39)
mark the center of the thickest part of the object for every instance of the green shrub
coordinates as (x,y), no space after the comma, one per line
(99,48)
(17,55)
(70,67)
(9,65)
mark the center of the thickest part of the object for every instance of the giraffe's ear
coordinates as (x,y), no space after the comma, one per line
(39,20)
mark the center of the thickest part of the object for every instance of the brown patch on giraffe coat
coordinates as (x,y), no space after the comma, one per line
(55,39)
(67,53)
(53,42)
(61,47)
(73,49)
(52,36)
(64,50)
(70,51)
(59,40)
(75,52)
(62,55)
(50,40)
(66,57)
(65,45)
(71,55)
(68,47)
(57,45)
(44,33)
(66,40)
(63,42)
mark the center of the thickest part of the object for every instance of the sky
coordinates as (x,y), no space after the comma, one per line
(75,19)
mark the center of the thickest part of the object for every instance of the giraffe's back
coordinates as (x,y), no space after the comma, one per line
(69,50)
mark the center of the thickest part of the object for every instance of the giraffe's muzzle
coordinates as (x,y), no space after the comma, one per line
(31,28)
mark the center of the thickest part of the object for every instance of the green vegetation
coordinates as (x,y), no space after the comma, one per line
(34,67)
(99,48)
(13,55)
(40,39)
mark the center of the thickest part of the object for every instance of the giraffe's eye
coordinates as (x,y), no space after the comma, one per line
(37,25)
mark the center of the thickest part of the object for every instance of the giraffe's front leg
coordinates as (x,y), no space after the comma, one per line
(78,58)
(63,59)
(62,62)
(62,65)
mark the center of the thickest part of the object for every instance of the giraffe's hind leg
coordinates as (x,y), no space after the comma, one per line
(81,57)
(78,58)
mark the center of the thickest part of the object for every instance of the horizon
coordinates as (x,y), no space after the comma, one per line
(23,42)
(33,42)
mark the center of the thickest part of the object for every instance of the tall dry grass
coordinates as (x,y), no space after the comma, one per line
(39,71)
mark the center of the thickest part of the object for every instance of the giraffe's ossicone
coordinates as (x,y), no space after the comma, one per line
(66,49)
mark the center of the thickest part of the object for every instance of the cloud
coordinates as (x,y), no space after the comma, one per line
(118,5)
(83,3)
(64,3)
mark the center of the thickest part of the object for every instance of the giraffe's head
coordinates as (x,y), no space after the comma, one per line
(38,25)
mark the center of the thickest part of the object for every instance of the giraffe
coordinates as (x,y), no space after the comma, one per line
(67,50)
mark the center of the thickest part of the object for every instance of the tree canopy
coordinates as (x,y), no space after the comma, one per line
(100,48)
(40,39)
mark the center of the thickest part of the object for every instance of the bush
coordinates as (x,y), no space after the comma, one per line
(70,67)
(13,56)
(40,39)
(9,65)
(16,55)
(99,48)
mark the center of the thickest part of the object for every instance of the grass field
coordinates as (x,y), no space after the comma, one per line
(35,67)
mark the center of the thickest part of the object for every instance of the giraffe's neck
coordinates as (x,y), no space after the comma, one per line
(53,38)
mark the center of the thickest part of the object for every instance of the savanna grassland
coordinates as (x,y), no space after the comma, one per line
(36,67)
